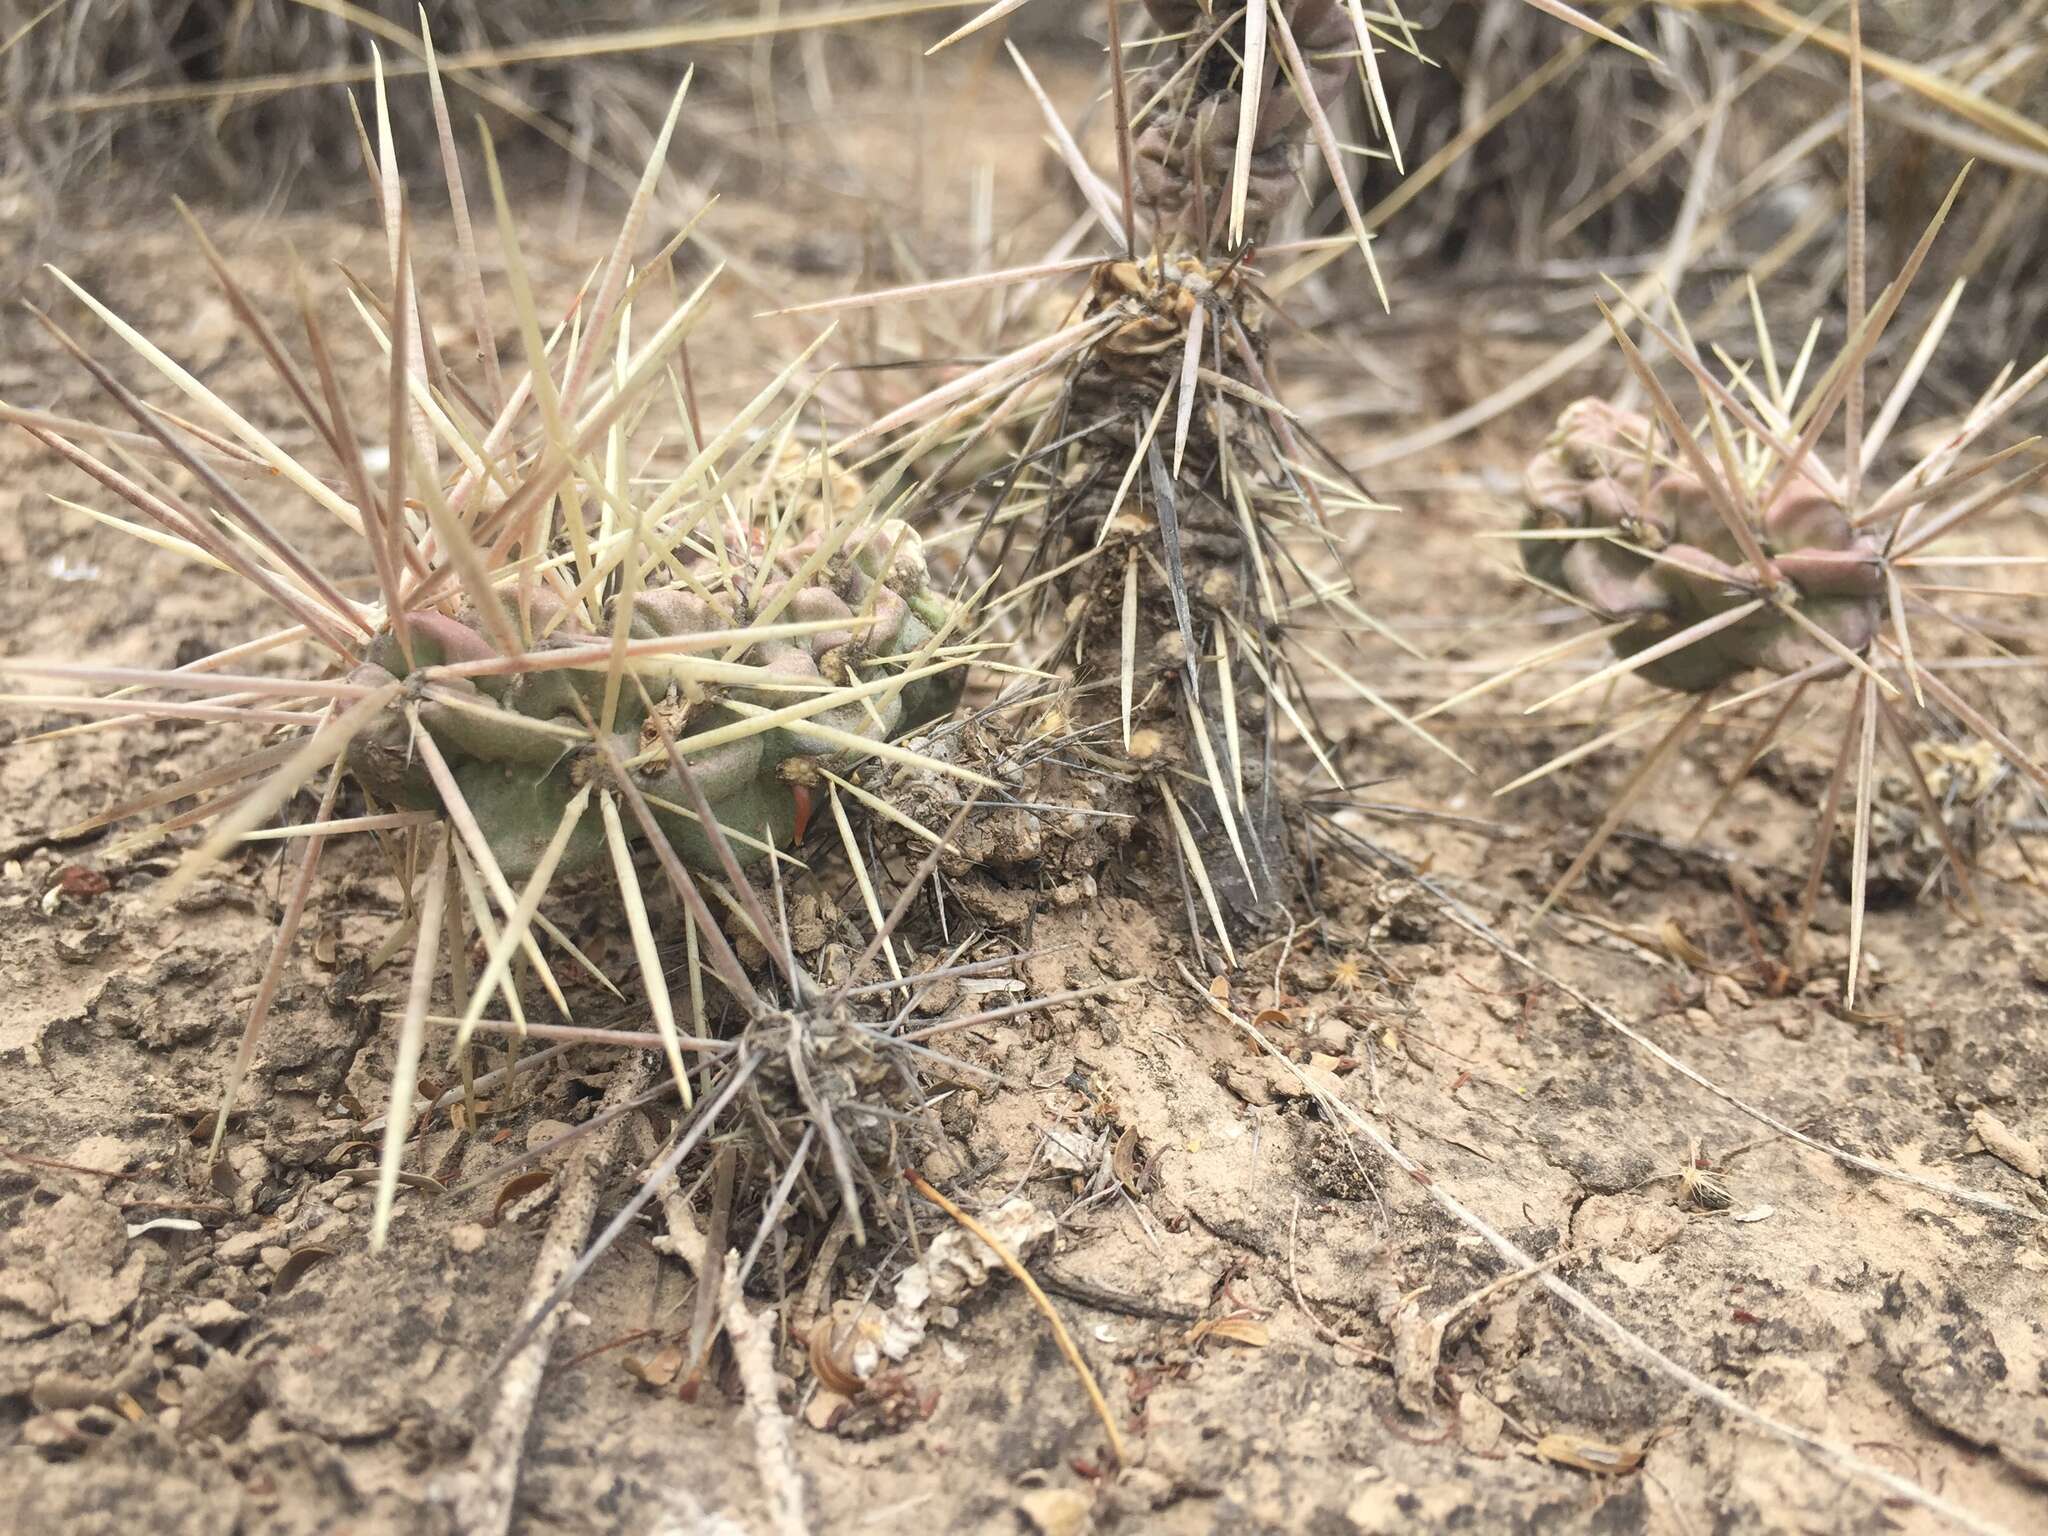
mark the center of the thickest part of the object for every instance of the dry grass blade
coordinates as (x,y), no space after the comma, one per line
(653,981)
(1973,106)
(1191,361)
(1039,1299)
(411,1039)
(484,61)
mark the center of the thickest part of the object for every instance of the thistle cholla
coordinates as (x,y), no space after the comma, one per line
(1165,509)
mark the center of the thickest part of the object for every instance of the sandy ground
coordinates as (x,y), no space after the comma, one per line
(1234,1261)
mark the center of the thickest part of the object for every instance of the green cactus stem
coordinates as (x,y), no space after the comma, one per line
(520,744)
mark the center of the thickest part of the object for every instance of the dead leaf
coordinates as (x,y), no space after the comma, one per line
(459,1117)
(1249,1332)
(2006,1144)
(1123,1159)
(1588,1455)
(834,1377)
(409,1180)
(659,1369)
(202,1130)
(164,1224)
(518,1187)
(1682,949)
(295,1267)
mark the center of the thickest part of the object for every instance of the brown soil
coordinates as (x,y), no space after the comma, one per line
(254,1368)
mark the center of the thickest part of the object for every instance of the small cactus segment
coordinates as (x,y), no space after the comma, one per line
(1657,556)
(520,744)
(1184,160)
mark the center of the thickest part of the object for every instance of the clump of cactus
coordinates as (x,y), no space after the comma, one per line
(1167,520)
(513,730)
(1643,545)
(601,635)
(1728,563)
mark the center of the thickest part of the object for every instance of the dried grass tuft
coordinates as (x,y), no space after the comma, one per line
(1555,150)
(236,96)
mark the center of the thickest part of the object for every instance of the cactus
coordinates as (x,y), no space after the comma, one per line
(1663,560)
(1174,528)
(562,660)
(519,779)
(1185,159)
(1712,556)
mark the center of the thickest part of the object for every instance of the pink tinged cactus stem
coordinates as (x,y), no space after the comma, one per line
(1640,541)
(518,736)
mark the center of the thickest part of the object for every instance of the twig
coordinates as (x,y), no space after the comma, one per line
(1060,1335)
(484,1497)
(753,1349)
(1105,1300)
(684,1240)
